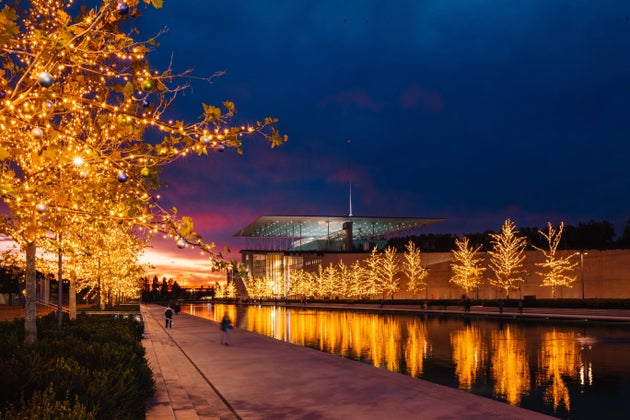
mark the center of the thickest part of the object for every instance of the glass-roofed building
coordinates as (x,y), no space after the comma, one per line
(276,245)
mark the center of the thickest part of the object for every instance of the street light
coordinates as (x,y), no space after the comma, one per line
(582,254)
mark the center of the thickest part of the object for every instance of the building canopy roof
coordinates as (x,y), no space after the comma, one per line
(329,226)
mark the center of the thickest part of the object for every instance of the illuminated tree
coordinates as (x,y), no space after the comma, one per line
(101,259)
(467,273)
(357,286)
(372,272)
(388,269)
(328,280)
(343,276)
(219,291)
(557,269)
(299,281)
(112,268)
(77,101)
(257,287)
(506,258)
(308,284)
(230,290)
(412,266)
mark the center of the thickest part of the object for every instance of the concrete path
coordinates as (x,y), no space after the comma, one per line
(258,377)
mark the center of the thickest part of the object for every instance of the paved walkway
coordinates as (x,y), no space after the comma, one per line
(258,377)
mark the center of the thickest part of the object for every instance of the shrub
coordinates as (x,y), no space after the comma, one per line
(93,367)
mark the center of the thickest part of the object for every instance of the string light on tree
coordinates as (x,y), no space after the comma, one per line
(506,258)
(558,270)
(467,272)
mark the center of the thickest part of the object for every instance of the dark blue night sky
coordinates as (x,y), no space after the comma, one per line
(471,110)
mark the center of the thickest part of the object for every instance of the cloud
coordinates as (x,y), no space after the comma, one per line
(416,96)
(188,266)
(356,97)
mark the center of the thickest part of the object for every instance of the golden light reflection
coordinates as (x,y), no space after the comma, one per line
(559,357)
(417,347)
(371,337)
(510,366)
(469,355)
(520,363)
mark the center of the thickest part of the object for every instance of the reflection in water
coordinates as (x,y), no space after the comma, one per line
(510,366)
(492,358)
(559,357)
(469,355)
(417,347)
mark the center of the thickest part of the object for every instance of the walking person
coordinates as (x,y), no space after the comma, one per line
(500,306)
(226,326)
(168,316)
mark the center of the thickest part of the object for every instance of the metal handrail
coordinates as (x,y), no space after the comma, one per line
(50,305)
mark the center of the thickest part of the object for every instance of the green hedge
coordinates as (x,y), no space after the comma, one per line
(92,368)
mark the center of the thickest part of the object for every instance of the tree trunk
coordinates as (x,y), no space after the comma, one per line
(72,296)
(30,306)
(59,287)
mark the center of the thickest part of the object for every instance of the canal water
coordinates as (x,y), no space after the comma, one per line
(570,370)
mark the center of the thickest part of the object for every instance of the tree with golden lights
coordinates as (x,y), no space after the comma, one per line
(412,266)
(99,258)
(389,282)
(295,283)
(372,273)
(343,275)
(467,273)
(113,270)
(506,258)
(328,281)
(227,291)
(557,269)
(78,99)
(257,287)
(357,287)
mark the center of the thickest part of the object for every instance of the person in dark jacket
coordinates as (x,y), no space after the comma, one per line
(168,316)
(226,326)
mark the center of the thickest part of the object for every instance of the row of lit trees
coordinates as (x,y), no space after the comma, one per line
(585,235)
(380,274)
(506,261)
(78,100)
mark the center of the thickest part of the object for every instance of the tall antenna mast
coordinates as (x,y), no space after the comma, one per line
(349,178)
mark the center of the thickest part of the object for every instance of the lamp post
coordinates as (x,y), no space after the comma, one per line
(582,254)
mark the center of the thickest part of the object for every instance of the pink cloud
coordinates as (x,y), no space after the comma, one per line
(416,96)
(187,266)
(354,97)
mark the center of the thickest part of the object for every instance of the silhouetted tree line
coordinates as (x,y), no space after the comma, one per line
(589,235)
(155,290)
(10,277)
